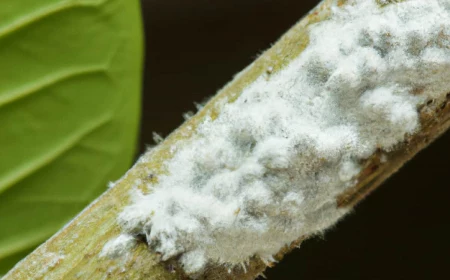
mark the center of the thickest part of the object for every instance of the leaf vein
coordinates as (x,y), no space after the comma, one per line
(43,13)
(33,165)
(36,86)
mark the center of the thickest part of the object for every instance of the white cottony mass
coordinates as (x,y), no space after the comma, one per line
(268,169)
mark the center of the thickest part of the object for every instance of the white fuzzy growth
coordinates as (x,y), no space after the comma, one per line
(269,168)
(119,246)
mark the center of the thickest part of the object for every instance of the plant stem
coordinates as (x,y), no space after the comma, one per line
(75,251)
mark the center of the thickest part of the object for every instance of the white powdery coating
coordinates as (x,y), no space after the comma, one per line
(48,261)
(269,168)
(119,246)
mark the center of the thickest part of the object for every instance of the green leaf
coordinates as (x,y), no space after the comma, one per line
(70,75)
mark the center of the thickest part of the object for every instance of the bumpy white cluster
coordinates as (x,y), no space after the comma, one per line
(269,168)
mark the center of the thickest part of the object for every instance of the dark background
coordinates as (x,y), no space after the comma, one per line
(193,47)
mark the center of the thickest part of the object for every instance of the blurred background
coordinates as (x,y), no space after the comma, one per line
(194,47)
